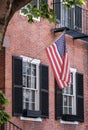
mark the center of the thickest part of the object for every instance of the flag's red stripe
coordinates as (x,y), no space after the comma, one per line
(59,82)
(65,73)
(58,67)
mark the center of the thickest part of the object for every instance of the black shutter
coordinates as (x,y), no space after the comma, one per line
(44,95)
(17,86)
(58,102)
(57,9)
(80,97)
(70,18)
(78,18)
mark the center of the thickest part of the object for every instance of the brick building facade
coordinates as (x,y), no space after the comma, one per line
(31,40)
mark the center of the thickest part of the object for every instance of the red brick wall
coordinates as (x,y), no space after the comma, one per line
(31,40)
(2,69)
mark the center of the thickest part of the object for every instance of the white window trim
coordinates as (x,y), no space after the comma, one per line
(31,119)
(69,122)
(32,60)
(74,78)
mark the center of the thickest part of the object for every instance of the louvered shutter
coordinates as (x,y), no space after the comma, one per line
(44,94)
(57,9)
(58,102)
(70,18)
(78,18)
(80,97)
(17,86)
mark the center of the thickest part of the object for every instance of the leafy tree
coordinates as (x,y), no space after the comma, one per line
(4,116)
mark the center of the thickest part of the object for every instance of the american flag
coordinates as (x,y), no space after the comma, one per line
(58,56)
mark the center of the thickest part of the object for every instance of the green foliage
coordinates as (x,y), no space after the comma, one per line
(4,116)
(31,11)
(43,11)
(3,100)
(70,3)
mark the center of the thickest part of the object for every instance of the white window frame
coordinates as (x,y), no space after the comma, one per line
(73,95)
(22,14)
(37,90)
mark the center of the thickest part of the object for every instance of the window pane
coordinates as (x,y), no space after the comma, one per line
(24,67)
(24,64)
(65,100)
(29,65)
(24,80)
(70,101)
(29,81)
(26,97)
(64,110)
(31,106)
(33,82)
(28,71)
(32,98)
(34,70)
(70,110)
(24,70)
(27,106)
(71,89)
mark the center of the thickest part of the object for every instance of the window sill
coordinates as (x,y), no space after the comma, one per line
(69,122)
(31,119)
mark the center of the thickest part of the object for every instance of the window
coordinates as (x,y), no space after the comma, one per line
(30,87)
(30,79)
(70,99)
(69,96)
(71,18)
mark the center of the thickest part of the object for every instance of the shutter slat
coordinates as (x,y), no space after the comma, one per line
(80,97)
(44,91)
(17,86)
